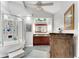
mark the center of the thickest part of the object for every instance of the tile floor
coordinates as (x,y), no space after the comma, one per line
(37,52)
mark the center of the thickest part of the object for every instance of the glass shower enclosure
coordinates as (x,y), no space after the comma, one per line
(9,30)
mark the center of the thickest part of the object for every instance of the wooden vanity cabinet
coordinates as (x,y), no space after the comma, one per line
(61,45)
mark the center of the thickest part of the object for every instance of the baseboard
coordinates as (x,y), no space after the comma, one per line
(29,46)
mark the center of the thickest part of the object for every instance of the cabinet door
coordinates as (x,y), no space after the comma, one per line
(69,49)
(62,48)
(58,48)
(40,40)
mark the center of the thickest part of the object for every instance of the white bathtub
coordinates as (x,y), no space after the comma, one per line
(4,51)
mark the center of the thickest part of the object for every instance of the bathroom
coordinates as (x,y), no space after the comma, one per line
(26,27)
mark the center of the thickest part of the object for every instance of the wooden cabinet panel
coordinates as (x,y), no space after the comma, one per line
(61,46)
(41,40)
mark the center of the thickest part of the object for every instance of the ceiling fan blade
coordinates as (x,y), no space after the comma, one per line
(46,4)
(24,4)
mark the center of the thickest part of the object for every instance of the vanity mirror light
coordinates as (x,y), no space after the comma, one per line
(69,18)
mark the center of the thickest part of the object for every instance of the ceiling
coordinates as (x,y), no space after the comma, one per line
(57,5)
(17,7)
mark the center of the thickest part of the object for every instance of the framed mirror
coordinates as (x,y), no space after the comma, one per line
(69,18)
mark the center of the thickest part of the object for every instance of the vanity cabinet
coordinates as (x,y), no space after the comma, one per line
(41,40)
(61,45)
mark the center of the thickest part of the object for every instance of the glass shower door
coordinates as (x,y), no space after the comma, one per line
(10,30)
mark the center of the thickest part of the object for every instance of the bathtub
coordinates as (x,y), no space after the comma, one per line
(9,48)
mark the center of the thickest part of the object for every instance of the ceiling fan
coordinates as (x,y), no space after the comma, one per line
(38,4)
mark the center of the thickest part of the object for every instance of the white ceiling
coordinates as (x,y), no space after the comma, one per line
(57,5)
(17,7)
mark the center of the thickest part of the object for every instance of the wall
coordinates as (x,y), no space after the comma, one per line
(59,22)
(20,32)
(78,34)
(28,35)
(0,26)
(76,30)
(59,16)
(0,31)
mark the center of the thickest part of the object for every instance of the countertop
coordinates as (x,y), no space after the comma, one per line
(41,35)
(61,33)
